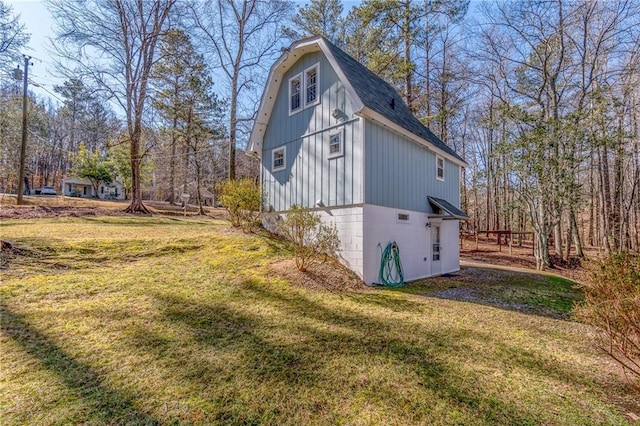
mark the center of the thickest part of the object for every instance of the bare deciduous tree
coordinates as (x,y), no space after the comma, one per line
(244,36)
(112,43)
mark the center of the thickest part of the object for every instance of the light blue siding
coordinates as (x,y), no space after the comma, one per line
(401,174)
(394,171)
(310,175)
(284,128)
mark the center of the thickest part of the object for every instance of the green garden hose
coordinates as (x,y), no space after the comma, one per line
(390,267)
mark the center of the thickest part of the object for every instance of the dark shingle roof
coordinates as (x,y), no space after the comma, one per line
(377,95)
(448,207)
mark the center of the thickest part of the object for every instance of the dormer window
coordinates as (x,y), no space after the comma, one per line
(439,168)
(295,93)
(311,85)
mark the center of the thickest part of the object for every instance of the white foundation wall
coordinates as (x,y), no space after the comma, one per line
(348,222)
(365,231)
(381,226)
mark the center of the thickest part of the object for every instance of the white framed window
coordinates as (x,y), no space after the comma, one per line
(336,145)
(311,80)
(439,168)
(435,234)
(295,93)
(279,159)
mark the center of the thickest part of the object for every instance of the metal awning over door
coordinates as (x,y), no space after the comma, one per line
(449,210)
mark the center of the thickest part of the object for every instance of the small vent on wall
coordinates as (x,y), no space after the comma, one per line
(403,216)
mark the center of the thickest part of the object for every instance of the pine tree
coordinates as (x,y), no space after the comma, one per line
(319,18)
(186,102)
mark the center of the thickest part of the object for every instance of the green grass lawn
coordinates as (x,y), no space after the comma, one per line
(539,294)
(168,321)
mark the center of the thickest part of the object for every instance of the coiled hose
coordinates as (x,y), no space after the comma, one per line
(391,274)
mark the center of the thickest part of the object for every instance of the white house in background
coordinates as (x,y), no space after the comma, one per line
(334,137)
(208,198)
(77,187)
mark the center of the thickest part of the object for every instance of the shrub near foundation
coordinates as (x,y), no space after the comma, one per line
(313,241)
(241,199)
(612,304)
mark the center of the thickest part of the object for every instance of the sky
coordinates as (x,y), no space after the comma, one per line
(39,24)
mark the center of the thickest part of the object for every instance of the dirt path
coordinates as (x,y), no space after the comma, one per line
(60,206)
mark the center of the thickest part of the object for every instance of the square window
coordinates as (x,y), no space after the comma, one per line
(278,159)
(439,168)
(295,93)
(335,145)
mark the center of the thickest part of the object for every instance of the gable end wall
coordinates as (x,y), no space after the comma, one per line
(310,175)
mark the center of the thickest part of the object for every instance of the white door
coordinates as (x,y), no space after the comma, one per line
(436,250)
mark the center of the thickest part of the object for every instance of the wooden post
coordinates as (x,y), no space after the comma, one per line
(533,245)
(510,243)
(185,200)
(23,146)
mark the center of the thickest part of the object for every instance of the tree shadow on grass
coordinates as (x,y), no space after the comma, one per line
(219,326)
(299,359)
(377,328)
(223,356)
(108,406)
(382,299)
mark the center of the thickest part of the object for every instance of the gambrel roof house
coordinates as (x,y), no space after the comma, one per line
(334,137)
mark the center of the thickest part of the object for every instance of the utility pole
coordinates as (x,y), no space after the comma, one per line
(23,147)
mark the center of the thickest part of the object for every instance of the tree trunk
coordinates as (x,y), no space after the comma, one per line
(605,195)
(635,200)
(567,249)
(592,204)
(406,35)
(233,125)
(577,240)
(136,205)
(172,163)
(540,234)
(199,194)
(541,250)
(427,64)
(617,201)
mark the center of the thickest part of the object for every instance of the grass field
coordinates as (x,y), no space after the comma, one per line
(124,320)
